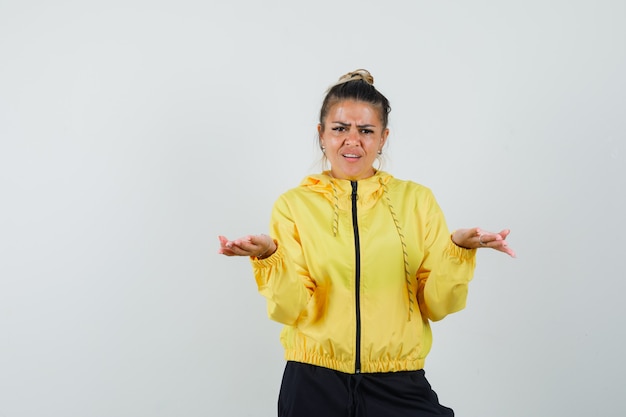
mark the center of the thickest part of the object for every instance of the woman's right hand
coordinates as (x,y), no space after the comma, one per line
(260,246)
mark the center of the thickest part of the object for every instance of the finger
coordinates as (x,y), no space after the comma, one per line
(225,247)
(249,246)
(503,246)
(236,250)
(485,238)
(226,252)
(223,241)
(508,251)
(231,243)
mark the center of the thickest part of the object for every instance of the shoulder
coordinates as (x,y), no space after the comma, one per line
(409,187)
(308,189)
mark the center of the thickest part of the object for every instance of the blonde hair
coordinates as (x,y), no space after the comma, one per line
(358,74)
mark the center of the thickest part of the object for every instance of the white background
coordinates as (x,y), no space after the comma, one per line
(133,132)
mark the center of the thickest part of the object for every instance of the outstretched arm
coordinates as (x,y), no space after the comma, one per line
(478,238)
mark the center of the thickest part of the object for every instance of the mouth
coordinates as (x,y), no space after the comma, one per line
(351,155)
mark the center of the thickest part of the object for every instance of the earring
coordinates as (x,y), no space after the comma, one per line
(323,148)
(380,152)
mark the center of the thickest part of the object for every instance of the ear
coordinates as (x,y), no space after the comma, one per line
(383,138)
(319,134)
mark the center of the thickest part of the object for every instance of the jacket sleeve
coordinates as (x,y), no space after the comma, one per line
(283,278)
(446,269)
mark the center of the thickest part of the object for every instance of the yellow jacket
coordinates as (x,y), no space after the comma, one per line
(356,281)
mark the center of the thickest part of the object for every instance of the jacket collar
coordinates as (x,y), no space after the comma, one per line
(368,188)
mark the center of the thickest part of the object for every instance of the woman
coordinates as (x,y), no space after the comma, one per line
(357,265)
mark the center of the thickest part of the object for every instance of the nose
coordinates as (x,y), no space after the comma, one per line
(352,137)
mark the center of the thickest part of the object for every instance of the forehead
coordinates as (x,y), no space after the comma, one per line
(354,111)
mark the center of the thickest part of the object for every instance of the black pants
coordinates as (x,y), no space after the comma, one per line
(313,391)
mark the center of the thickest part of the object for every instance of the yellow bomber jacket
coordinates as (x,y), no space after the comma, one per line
(356,281)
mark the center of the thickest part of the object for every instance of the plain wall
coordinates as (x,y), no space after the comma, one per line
(132,133)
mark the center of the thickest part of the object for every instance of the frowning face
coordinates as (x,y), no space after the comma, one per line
(352,135)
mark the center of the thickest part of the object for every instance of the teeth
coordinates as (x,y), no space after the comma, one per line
(351,155)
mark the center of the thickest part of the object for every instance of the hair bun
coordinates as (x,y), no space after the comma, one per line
(359,74)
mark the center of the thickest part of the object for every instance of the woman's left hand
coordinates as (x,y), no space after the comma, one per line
(478,238)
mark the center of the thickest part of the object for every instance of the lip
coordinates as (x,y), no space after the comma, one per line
(352,154)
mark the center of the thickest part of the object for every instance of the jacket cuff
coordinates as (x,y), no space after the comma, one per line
(459,253)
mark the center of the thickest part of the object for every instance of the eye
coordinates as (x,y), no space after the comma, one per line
(367,131)
(339,129)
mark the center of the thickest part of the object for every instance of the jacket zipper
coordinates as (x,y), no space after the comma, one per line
(357,279)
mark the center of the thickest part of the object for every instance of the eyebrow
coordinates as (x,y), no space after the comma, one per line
(348,124)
